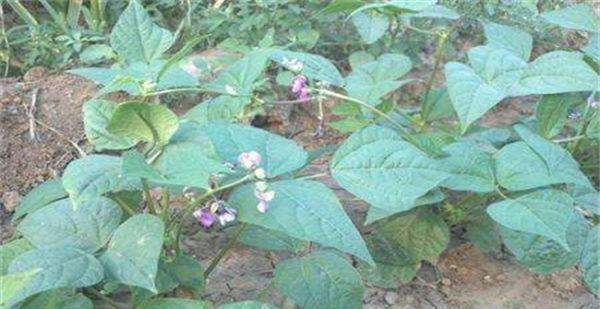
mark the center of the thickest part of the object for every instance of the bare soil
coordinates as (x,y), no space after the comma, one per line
(467,278)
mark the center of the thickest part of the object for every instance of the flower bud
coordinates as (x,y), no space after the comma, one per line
(261,186)
(249,160)
(260,173)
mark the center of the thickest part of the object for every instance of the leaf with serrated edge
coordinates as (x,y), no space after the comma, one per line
(306,210)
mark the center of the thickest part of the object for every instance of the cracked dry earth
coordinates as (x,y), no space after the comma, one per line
(466,278)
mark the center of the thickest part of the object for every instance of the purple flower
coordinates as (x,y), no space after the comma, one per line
(264,197)
(299,88)
(205,217)
(249,160)
(592,103)
(226,215)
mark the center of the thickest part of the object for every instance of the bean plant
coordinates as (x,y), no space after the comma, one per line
(111,227)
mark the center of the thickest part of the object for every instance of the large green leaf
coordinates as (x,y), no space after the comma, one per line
(388,276)
(279,155)
(552,112)
(470,168)
(96,116)
(372,80)
(136,38)
(55,268)
(437,105)
(143,121)
(133,252)
(223,107)
(263,238)
(11,285)
(518,167)
(175,303)
(542,255)
(556,72)
(544,212)
(249,304)
(418,235)
(58,298)
(370,26)
(187,272)
(431,197)
(590,260)
(509,38)
(560,164)
(9,251)
(320,280)
(314,66)
(471,96)
(592,49)
(305,210)
(239,77)
(94,175)
(87,227)
(483,232)
(376,165)
(580,16)
(47,192)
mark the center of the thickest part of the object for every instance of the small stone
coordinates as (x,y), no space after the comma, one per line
(446,282)
(501,277)
(487,278)
(11,200)
(390,298)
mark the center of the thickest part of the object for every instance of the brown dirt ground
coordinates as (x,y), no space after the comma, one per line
(470,279)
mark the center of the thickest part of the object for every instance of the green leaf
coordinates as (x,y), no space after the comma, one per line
(370,26)
(592,49)
(187,271)
(279,155)
(102,76)
(9,251)
(418,235)
(376,165)
(317,215)
(266,239)
(47,192)
(562,167)
(336,6)
(143,121)
(175,303)
(412,5)
(58,298)
(55,268)
(11,285)
(313,66)
(483,232)
(508,38)
(437,11)
(590,260)
(542,255)
(470,168)
(96,53)
(136,38)
(320,280)
(96,116)
(556,72)
(431,197)
(249,304)
(552,112)
(578,17)
(95,175)
(518,167)
(239,77)
(133,252)
(586,197)
(359,58)
(544,212)
(87,227)
(388,276)
(372,80)
(223,107)
(471,95)
(437,105)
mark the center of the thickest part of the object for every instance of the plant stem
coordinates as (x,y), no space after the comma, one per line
(568,139)
(215,261)
(439,54)
(502,194)
(123,205)
(312,176)
(581,129)
(149,200)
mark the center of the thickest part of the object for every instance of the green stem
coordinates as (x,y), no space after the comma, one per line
(149,200)
(569,139)
(215,261)
(23,13)
(581,129)
(502,194)
(164,212)
(312,176)
(123,205)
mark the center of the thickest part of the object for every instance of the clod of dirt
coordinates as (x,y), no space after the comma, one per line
(10,200)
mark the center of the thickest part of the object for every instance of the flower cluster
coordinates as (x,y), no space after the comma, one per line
(216,210)
(300,88)
(251,161)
